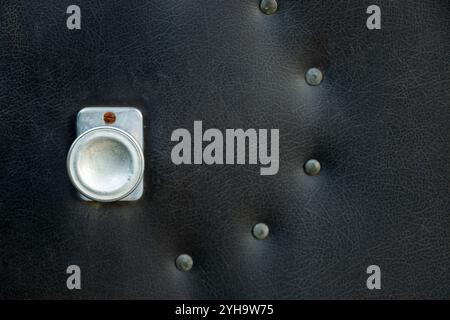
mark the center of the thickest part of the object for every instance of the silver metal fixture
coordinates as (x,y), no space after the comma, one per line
(106,163)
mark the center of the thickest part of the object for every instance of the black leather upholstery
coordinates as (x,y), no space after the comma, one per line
(379,124)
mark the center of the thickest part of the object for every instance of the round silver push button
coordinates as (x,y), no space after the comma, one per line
(105,164)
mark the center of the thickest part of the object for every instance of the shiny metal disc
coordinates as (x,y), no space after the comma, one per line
(105,164)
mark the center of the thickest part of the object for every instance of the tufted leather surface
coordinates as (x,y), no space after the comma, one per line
(379,124)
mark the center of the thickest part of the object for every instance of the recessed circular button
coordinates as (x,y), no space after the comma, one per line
(105,164)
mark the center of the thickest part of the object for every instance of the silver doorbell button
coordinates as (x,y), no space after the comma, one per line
(106,163)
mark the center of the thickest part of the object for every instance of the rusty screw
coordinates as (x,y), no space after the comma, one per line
(109,117)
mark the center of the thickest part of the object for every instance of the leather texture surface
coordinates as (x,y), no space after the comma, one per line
(379,124)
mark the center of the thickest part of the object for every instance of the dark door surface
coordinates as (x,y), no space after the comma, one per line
(379,124)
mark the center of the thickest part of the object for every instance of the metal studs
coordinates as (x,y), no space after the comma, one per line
(260,231)
(314,77)
(268,6)
(184,262)
(312,167)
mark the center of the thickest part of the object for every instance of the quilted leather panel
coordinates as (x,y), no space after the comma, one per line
(379,124)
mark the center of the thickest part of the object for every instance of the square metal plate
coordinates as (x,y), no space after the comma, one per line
(128,119)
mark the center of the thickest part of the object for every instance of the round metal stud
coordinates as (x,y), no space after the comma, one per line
(260,231)
(268,6)
(312,167)
(184,262)
(105,164)
(314,77)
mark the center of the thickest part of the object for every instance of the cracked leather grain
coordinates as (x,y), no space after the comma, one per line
(379,124)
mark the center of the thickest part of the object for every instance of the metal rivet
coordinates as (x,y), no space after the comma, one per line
(312,167)
(260,231)
(314,77)
(184,262)
(268,6)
